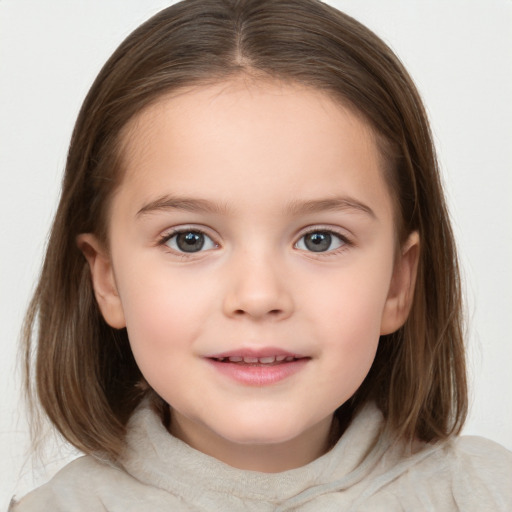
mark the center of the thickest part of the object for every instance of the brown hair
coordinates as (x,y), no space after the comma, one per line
(83,373)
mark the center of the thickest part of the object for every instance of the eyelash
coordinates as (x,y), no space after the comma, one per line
(166,237)
(345,241)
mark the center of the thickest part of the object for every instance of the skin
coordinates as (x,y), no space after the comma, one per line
(273,161)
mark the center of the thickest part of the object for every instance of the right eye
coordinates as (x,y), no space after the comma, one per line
(321,241)
(189,241)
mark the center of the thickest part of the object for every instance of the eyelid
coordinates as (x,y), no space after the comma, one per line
(325,228)
(337,232)
(169,233)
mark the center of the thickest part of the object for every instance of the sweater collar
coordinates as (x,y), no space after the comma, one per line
(155,457)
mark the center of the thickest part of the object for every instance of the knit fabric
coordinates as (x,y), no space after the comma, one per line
(363,472)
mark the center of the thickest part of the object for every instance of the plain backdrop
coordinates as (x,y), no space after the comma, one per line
(460,54)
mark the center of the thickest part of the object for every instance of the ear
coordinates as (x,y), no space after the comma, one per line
(401,290)
(103,280)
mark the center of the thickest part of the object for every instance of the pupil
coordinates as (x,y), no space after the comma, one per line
(190,242)
(318,242)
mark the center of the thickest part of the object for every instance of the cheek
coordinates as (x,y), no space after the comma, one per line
(163,315)
(348,319)
(350,347)
(352,303)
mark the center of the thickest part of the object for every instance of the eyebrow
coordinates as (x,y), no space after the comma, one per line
(295,207)
(330,204)
(182,203)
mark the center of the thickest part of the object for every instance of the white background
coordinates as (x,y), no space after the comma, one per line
(458,51)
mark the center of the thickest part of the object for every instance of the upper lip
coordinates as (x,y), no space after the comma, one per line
(255,352)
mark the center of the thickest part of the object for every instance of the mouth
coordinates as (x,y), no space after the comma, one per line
(258,368)
(257,361)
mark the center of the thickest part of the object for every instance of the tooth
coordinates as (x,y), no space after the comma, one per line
(280,358)
(249,359)
(289,358)
(221,359)
(236,359)
(266,360)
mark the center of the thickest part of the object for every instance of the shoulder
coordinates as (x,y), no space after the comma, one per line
(482,469)
(69,489)
(482,450)
(479,459)
(475,446)
(90,485)
(469,473)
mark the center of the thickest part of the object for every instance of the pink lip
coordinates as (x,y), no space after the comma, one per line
(260,352)
(257,374)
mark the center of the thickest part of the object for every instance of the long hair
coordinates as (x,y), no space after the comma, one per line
(82,371)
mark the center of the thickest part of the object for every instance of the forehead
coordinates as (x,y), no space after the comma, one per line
(258,133)
(200,108)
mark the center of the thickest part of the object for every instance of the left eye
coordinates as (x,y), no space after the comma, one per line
(320,241)
(190,241)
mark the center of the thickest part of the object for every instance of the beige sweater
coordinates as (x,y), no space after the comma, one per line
(361,473)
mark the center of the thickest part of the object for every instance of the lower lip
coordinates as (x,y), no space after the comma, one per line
(259,375)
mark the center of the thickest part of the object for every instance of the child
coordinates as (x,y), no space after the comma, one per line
(250,298)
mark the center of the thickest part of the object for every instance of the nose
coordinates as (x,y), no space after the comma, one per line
(258,288)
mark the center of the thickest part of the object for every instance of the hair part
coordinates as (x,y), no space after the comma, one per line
(83,372)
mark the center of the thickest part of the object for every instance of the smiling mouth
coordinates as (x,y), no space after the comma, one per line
(258,361)
(261,367)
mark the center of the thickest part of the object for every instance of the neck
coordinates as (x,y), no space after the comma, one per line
(267,457)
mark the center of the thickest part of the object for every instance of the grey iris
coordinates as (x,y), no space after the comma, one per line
(318,241)
(190,241)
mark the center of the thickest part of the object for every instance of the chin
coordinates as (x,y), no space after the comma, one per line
(258,434)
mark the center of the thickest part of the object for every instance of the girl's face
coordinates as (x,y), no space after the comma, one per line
(252,261)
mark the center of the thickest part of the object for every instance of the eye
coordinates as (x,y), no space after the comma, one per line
(189,241)
(320,241)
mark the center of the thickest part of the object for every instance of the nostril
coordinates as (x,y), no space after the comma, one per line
(257,304)
(272,312)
